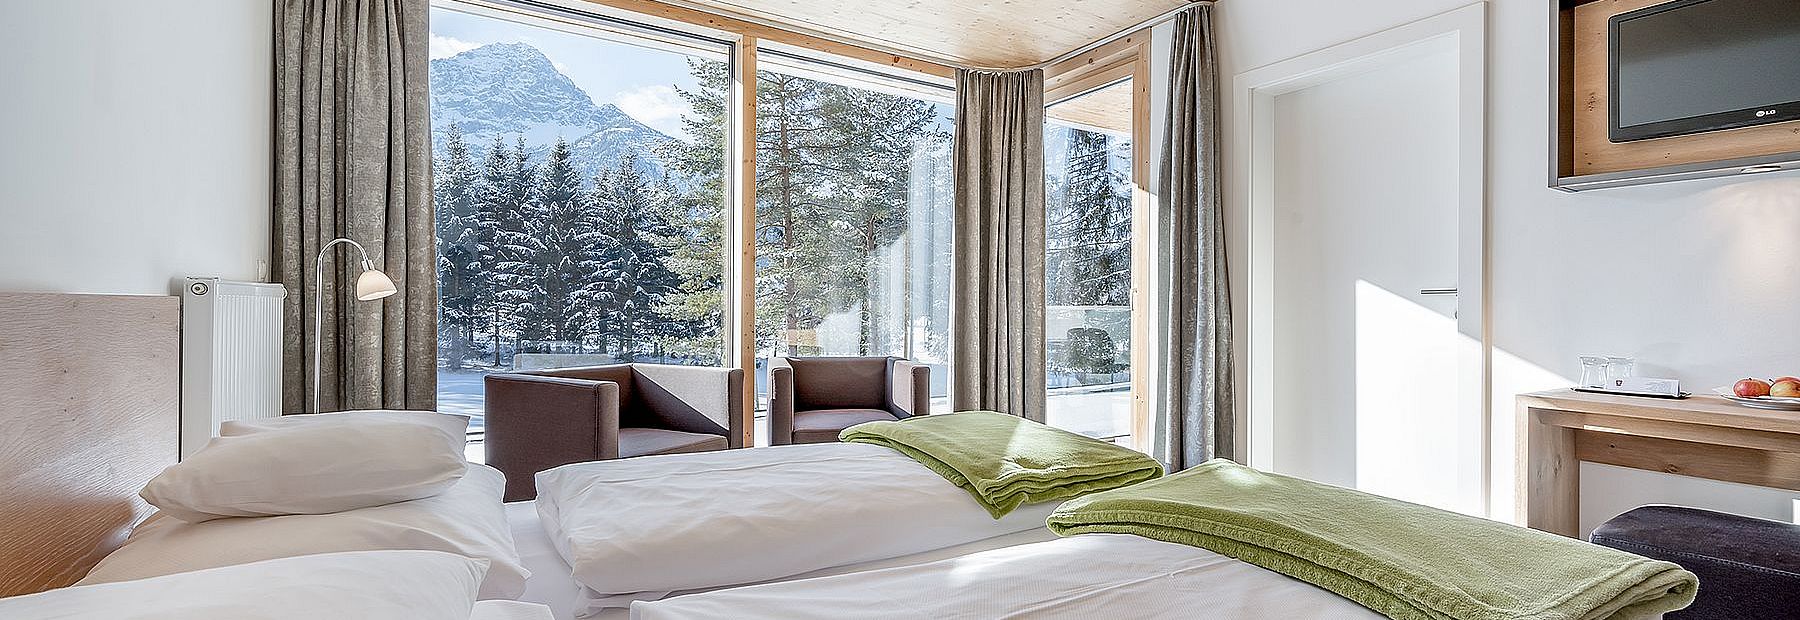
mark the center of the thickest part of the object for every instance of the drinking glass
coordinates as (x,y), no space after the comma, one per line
(1593,371)
(1620,368)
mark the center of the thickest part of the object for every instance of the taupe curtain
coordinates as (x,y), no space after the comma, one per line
(353,159)
(997,358)
(1199,401)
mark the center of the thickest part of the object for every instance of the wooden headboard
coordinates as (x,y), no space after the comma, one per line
(89,412)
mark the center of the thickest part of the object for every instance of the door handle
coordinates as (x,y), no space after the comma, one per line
(1438,291)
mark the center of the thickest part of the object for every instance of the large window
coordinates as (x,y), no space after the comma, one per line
(853,215)
(1088,271)
(579,185)
(596,205)
(582,184)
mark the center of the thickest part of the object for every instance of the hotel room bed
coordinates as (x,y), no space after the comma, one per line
(642,528)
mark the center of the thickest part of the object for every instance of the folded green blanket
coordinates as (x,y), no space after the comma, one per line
(1402,560)
(1005,461)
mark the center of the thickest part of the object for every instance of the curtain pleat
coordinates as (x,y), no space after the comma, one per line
(353,159)
(997,358)
(1199,404)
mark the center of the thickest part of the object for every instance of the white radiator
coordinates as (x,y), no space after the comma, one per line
(230,355)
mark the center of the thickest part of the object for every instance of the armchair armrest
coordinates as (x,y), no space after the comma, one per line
(537,422)
(694,398)
(909,388)
(781,402)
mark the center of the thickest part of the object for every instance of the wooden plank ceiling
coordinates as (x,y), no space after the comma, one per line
(1107,109)
(978,33)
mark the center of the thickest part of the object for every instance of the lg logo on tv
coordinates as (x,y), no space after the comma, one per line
(1762,113)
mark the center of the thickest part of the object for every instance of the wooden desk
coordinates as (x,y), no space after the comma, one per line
(1702,436)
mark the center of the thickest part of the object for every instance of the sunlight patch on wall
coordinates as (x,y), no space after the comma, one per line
(1407,439)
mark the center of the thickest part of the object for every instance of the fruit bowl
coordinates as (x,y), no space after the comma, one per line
(1760,402)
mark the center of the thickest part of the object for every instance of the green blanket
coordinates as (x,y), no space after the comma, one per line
(1402,560)
(1005,461)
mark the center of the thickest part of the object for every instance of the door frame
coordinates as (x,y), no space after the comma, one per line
(1254,93)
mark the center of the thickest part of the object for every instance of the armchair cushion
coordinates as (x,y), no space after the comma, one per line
(840,382)
(646,441)
(822,425)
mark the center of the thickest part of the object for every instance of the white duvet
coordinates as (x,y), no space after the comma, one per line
(1111,576)
(636,529)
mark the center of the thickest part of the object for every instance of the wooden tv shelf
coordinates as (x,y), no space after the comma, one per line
(1702,436)
(1582,156)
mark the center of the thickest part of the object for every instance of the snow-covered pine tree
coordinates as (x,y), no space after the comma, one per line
(458,247)
(1089,229)
(563,239)
(490,209)
(634,278)
(832,180)
(695,311)
(503,201)
(880,133)
(519,268)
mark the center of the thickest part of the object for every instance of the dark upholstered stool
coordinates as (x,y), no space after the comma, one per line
(1749,568)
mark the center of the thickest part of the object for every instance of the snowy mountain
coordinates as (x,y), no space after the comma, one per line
(508,89)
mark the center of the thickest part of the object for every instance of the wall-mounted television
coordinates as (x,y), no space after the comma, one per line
(1690,66)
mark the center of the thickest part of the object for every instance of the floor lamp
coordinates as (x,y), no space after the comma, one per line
(370,286)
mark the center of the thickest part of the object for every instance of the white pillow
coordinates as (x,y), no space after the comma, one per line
(372,584)
(307,469)
(468,520)
(455,427)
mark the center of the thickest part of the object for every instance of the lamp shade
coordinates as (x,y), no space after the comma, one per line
(373,285)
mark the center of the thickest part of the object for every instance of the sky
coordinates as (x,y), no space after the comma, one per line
(639,80)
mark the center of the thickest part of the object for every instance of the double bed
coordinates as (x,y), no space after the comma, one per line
(791,532)
(105,370)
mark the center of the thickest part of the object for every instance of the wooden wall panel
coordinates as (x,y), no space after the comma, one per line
(1594,153)
(89,412)
(1110,108)
(753,30)
(982,34)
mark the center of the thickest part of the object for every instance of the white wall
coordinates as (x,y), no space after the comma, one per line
(134,143)
(1697,280)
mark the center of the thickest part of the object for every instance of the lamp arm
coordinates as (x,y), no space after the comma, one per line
(319,304)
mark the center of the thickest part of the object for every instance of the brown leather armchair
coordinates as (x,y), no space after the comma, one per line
(542,419)
(812,398)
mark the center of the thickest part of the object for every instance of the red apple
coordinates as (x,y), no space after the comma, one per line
(1751,388)
(1785,387)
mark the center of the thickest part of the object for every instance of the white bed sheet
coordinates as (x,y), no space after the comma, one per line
(553,584)
(508,610)
(1112,576)
(641,528)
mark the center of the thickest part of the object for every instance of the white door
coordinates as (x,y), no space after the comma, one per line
(1370,381)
